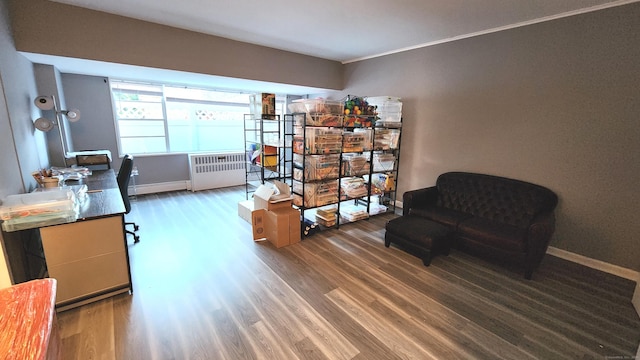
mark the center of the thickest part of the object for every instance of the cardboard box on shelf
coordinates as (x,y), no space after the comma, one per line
(272,197)
(268,104)
(269,150)
(269,160)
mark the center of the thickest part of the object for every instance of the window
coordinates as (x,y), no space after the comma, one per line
(156,118)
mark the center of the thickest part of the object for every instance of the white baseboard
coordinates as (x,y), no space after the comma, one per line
(595,264)
(605,267)
(162,187)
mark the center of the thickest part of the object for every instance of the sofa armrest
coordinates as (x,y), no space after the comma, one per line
(418,198)
(542,227)
(538,237)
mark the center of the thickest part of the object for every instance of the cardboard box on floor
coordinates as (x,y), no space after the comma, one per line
(265,197)
(280,227)
(273,197)
(245,208)
(273,218)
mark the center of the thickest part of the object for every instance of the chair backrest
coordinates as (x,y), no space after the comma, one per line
(124,174)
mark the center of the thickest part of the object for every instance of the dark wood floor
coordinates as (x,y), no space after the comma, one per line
(204,290)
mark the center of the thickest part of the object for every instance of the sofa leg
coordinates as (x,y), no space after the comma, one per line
(528,273)
(426,258)
(445,250)
(387,242)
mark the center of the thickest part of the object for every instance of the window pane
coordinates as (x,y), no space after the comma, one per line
(129,128)
(139,110)
(143,145)
(198,126)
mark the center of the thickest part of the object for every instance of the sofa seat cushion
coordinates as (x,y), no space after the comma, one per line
(442,215)
(504,236)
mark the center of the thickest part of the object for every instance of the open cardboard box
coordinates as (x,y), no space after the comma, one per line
(273,218)
(270,197)
(273,197)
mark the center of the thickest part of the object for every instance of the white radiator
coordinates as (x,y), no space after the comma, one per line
(216,170)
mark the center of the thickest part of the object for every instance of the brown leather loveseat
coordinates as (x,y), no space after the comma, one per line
(502,218)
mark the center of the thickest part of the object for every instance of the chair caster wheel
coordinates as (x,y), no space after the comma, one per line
(136,239)
(136,227)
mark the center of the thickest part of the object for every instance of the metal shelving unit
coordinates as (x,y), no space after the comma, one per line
(379,172)
(268,150)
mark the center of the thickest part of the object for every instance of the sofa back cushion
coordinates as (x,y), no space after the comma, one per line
(494,198)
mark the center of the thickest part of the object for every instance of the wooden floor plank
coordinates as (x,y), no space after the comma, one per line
(380,327)
(203,289)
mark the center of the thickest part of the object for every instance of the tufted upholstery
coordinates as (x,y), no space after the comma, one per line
(489,214)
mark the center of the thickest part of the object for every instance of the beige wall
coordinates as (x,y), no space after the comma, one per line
(555,103)
(41,26)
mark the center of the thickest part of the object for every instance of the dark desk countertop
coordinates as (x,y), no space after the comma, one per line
(103,196)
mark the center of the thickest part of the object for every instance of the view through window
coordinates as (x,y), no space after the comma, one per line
(157,118)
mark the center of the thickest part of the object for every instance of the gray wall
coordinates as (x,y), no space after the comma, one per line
(22,147)
(100,36)
(555,103)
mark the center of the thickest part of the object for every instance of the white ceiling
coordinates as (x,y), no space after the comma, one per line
(340,30)
(344,30)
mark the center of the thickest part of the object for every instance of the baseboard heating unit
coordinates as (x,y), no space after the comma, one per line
(216,170)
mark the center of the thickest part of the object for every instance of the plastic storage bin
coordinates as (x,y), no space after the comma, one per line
(316,167)
(37,209)
(321,106)
(319,141)
(353,187)
(389,108)
(383,162)
(353,213)
(330,120)
(355,165)
(353,142)
(386,139)
(316,194)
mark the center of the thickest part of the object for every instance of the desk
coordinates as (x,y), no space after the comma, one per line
(89,257)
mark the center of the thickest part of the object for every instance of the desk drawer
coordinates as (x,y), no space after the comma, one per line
(90,276)
(82,239)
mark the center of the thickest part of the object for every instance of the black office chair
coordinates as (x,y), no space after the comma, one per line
(123,183)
